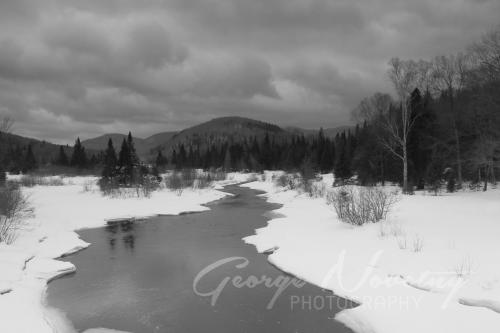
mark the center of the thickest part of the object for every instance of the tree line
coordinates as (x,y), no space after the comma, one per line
(444,122)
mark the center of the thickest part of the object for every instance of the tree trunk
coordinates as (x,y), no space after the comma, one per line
(459,158)
(382,174)
(485,186)
(457,140)
(405,171)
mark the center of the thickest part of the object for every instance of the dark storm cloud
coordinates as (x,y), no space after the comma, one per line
(95,66)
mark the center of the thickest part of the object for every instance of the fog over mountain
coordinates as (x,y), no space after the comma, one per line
(107,66)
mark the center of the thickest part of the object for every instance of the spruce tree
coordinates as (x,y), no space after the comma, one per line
(3,175)
(342,164)
(133,170)
(161,161)
(29,160)
(79,158)
(110,161)
(227,160)
(133,159)
(124,164)
(62,159)
(124,156)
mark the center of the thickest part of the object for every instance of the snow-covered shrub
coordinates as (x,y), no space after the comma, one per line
(418,243)
(360,205)
(402,243)
(317,189)
(379,201)
(88,185)
(32,180)
(282,180)
(464,267)
(14,209)
(350,205)
(192,178)
(290,181)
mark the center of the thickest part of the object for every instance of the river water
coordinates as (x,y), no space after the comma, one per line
(142,277)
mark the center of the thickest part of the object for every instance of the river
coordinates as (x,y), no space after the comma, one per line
(141,277)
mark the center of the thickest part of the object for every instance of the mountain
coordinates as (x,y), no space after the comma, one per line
(101,142)
(143,146)
(213,132)
(222,130)
(44,151)
(158,139)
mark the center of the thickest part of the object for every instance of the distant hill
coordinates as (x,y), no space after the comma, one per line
(142,146)
(214,132)
(44,151)
(222,130)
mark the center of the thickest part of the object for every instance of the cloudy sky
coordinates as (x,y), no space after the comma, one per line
(88,67)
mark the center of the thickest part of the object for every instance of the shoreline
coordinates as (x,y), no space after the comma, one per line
(311,249)
(31,262)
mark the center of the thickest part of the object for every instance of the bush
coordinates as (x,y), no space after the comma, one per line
(291,181)
(32,180)
(14,209)
(192,178)
(361,205)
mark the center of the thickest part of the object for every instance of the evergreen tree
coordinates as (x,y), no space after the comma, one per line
(79,157)
(227,160)
(29,160)
(342,164)
(62,159)
(124,164)
(3,175)
(132,169)
(133,158)
(161,161)
(110,161)
(124,155)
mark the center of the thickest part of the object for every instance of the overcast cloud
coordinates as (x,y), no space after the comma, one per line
(90,67)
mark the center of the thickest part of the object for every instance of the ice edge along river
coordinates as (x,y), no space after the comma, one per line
(408,288)
(31,262)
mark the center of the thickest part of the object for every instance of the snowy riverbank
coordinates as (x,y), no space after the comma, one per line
(432,267)
(27,265)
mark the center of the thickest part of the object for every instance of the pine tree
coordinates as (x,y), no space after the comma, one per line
(3,175)
(124,156)
(133,169)
(62,159)
(134,159)
(227,160)
(29,160)
(342,164)
(110,161)
(161,161)
(124,164)
(174,158)
(79,157)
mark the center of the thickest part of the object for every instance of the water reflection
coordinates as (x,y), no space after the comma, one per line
(124,230)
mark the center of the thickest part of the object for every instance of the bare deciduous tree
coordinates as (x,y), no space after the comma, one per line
(486,54)
(6,124)
(404,75)
(449,74)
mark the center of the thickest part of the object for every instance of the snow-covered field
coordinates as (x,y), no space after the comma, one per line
(433,266)
(27,265)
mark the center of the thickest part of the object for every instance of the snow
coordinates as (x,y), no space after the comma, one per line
(29,263)
(432,266)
